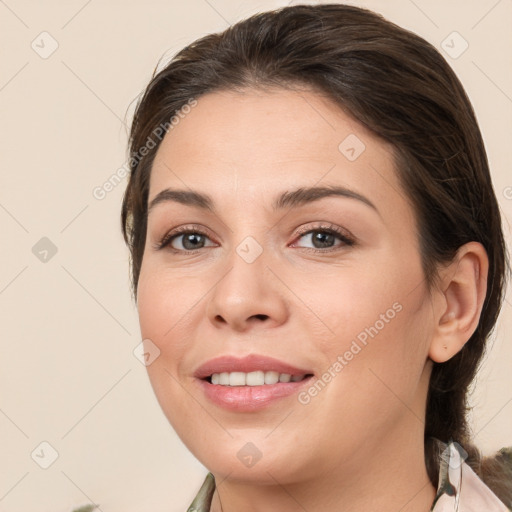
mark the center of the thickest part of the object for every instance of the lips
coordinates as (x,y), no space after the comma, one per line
(250,383)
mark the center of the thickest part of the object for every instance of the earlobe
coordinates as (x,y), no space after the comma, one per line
(460,296)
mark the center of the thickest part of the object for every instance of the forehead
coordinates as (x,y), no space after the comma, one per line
(251,142)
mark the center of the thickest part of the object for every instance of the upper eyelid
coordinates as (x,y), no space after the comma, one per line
(301,231)
(328,226)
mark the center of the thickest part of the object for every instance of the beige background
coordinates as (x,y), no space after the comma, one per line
(68,375)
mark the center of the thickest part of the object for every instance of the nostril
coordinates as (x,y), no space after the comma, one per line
(261,317)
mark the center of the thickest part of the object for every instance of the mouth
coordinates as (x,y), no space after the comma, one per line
(255,378)
(250,383)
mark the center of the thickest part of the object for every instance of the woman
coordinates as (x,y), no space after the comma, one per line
(318,261)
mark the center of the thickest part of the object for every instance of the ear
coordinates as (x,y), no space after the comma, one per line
(458,301)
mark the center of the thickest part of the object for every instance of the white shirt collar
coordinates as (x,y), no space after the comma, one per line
(459,488)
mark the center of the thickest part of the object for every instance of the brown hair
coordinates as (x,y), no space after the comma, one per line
(401,88)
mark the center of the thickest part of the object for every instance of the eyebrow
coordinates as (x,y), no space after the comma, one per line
(288,199)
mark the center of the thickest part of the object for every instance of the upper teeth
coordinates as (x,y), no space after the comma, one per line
(257,378)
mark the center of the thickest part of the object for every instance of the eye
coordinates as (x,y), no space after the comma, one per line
(184,239)
(188,239)
(325,237)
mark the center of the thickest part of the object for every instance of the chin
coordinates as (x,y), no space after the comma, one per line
(242,459)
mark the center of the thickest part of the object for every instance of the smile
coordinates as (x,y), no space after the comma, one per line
(256,378)
(250,383)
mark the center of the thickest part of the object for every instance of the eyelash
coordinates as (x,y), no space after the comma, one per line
(331,229)
(347,239)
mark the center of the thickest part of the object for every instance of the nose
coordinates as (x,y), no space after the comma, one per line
(249,295)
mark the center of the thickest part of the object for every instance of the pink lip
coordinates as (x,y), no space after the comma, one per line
(248,398)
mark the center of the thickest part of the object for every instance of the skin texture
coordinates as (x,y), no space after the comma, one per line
(358,444)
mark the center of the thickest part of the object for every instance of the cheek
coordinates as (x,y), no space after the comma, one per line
(377,321)
(165,317)
(361,302)
(165,305)
(155,309)
(384,357)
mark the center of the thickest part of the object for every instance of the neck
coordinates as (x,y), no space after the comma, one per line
(386,477)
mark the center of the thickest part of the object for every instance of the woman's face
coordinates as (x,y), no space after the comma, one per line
(273,278)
